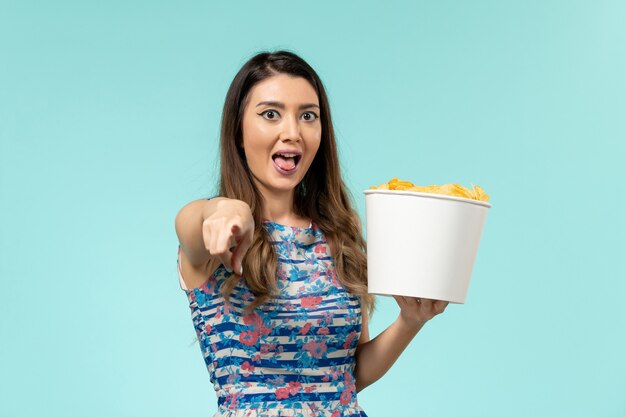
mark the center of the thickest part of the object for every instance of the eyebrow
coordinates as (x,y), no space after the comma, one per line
(282,106)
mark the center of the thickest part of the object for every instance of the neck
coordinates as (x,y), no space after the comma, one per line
(278,207)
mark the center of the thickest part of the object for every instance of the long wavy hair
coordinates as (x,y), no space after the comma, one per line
(321,196)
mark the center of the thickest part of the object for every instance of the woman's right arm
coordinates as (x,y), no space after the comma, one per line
(210,228)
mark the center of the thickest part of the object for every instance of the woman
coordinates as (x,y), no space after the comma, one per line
(275,267)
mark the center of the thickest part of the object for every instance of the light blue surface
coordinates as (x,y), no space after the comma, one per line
(109,119)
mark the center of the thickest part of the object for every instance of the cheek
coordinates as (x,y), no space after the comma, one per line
(316,148)
(254,135)
(255,157)
(260,131)
(257,147)
(312,155)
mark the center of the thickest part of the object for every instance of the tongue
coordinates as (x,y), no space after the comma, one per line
(285,163)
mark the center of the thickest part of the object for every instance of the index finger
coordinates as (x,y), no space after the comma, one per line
(238,254)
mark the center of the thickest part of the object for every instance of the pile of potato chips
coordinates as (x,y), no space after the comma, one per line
(456,190)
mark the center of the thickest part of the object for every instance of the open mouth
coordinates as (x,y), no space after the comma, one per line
(286,161)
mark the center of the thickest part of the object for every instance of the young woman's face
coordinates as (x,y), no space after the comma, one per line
(281,132)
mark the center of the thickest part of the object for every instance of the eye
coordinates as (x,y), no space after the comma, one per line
(312,116)
(272,114)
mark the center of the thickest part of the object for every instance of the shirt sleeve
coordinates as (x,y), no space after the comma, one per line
(180,273)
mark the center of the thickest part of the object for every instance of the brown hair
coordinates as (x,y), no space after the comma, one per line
(321,195)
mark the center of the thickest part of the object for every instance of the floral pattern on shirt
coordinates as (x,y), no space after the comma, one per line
(294,355)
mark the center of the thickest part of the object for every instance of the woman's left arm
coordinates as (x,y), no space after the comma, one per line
(375,357)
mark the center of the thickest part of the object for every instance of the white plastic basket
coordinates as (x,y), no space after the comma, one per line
(422,244)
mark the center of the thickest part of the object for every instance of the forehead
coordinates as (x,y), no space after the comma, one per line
(285,88)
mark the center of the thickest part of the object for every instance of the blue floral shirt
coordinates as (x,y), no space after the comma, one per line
(294,355)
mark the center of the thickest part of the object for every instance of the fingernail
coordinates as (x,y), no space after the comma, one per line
(228,269)
(241,270)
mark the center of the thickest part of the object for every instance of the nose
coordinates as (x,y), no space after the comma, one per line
(291,129)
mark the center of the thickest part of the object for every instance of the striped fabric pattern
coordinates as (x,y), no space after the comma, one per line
(294,355)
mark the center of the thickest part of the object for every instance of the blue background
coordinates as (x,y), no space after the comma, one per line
(109,122)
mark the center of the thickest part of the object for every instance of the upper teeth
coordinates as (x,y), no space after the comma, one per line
(288,155)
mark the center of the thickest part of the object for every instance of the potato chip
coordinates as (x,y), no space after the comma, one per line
(456,190)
